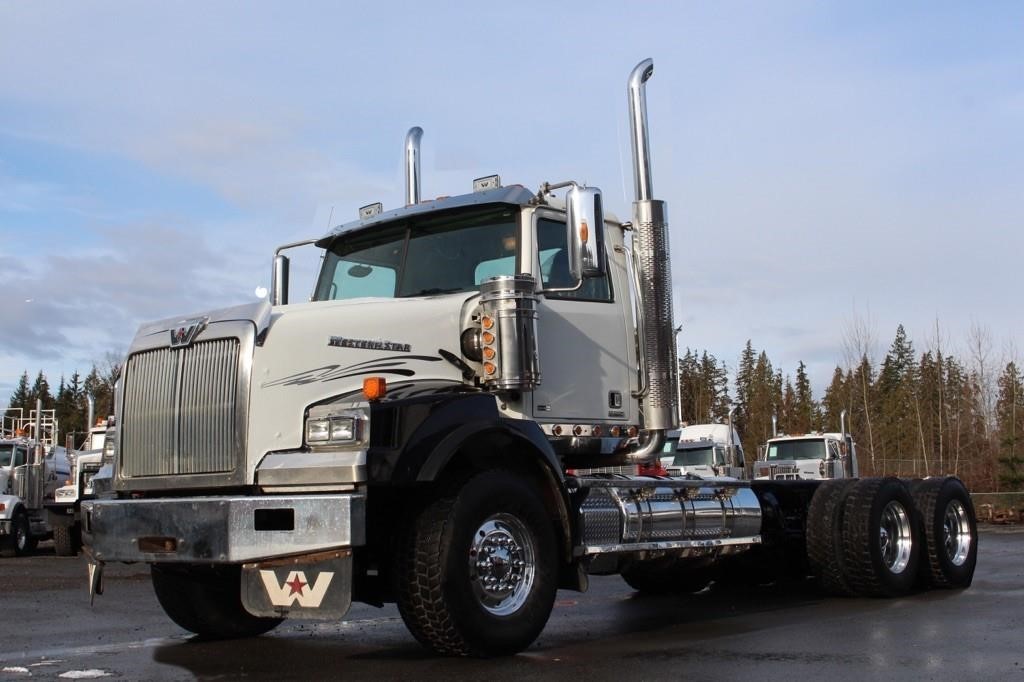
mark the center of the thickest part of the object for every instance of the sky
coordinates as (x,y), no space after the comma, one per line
(826,165)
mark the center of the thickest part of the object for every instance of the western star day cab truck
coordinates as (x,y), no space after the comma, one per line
(85,463)
(809,456)
(707,450)
(406,435)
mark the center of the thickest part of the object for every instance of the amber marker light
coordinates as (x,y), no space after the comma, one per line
(488,338)
(584,232)
(489,353)
(489,368)
(487,322)
(375,388)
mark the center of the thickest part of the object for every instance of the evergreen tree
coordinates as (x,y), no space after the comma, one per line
(806,417)
(41,391)
(1009,424)
(20,397)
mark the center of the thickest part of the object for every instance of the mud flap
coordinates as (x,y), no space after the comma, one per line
(312,586)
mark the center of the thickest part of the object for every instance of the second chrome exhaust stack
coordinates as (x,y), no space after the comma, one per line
(412,165)
(659,367)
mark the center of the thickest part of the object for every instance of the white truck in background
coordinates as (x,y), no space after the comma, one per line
(414,433)
(707,451)
(32,467)
(808,456)
(85,461)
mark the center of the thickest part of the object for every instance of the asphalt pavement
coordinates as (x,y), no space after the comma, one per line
(49,631)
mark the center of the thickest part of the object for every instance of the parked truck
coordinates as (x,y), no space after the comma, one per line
(32,467)
(405,435)
(85,461)
(809,456)
(708,451)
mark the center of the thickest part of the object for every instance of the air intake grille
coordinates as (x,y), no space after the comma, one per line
(180,411)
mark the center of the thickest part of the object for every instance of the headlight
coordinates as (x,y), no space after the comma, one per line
(335,429)
(109,447)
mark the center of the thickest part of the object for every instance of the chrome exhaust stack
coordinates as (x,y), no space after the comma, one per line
(659,367)
(412,165)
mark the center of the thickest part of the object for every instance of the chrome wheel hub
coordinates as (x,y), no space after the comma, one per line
(502,567)
(956,533)
(895,538)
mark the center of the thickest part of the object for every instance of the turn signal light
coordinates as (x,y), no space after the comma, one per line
(375,388)
(584,232)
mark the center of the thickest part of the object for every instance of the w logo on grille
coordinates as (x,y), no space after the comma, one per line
(186,332)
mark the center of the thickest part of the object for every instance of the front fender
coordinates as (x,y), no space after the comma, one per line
(414,439)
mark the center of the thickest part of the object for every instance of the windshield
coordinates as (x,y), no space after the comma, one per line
(695,457)
(5,455)
(422,256)
(796,449)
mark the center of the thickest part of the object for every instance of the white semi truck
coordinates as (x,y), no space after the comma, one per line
(405,435)
(708,451)
(809,456)
(85,462)
(32,467)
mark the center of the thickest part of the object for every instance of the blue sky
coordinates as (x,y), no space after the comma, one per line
(822,162)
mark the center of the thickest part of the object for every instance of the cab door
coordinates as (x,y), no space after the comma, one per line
(584,345)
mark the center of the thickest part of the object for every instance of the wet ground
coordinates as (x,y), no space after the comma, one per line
(49,631)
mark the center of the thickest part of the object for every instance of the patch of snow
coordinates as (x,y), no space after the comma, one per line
(90,674)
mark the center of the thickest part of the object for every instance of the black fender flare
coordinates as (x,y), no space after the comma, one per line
(414,440)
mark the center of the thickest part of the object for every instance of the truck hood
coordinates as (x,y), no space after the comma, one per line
(315,352)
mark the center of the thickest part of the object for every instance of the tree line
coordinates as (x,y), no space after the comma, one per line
(911,415)
(70,402)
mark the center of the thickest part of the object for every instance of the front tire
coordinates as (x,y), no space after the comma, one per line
(67,540)
(206,600)
(881,539)
(950,532)
(477,568)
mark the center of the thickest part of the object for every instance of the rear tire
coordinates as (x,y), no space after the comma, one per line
(881,538)
(825,536)
(476,568)
(207,600)
(67,540)
(950,532)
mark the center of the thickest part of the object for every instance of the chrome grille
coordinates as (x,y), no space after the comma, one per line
(180,410)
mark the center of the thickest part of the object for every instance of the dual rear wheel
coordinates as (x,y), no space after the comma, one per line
(878,537)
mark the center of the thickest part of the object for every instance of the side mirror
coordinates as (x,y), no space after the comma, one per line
(585,225)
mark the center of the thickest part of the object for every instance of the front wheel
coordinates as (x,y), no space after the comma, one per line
(67,540)
(477,568)
(207,600)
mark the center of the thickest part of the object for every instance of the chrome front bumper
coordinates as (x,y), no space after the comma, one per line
(221,529)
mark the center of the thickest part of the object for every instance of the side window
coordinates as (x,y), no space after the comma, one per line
(833,449)
(20,456)
(554,266)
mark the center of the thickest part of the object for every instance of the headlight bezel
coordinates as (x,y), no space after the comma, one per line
(332,427)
